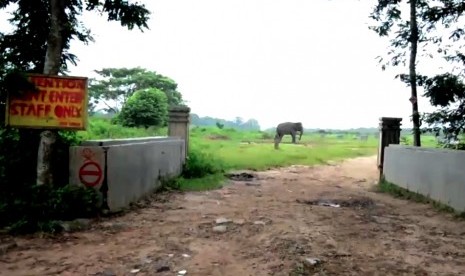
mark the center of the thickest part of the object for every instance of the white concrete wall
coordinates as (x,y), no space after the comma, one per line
(132,170)
(437,173)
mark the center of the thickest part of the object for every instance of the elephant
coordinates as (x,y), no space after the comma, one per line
(287,128)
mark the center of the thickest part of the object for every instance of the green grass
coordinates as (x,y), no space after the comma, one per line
(263,156)
(399,192)
(234,149)
(209,182)
(231,149)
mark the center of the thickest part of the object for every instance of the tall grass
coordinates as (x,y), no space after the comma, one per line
(102,128)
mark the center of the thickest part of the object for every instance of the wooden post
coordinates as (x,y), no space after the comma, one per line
(178,124)
(389,133)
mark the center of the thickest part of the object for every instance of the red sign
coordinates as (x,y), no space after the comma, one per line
(90,174)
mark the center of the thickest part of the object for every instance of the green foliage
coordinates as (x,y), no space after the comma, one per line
(24,206)
(444,89)
(447,93)
(101,128)
(146,108)
(25,47)
(266,135)
(38,208)
(238,123)
(18,155)
(219,125)
(200,163)
(119,84)
(404,141)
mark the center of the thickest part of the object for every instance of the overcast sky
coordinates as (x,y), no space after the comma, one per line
(272,60)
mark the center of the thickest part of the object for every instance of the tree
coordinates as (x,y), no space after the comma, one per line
(43,30)
(436,26)
(238,121)
(447,91)
(250,124)
(116,85)
(148,107)
(408,33)
(219,125)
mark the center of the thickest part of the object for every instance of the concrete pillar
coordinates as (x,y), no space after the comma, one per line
(389,133)
(178,124)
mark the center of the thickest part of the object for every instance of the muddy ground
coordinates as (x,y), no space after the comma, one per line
(323,220)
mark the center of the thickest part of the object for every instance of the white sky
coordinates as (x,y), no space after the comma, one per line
(272,60)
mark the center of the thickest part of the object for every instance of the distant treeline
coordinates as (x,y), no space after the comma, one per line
(237,123)
(355,131)
(252,124)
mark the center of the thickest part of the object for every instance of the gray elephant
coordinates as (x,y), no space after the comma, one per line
(287,128)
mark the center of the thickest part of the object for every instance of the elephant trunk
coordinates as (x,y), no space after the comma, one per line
(301,132)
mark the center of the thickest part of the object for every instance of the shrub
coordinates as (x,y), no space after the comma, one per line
(200,164)
(26,207)
(145,108)
(40,207)
(266,135)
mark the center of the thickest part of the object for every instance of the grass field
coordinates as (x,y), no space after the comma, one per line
(230,149)
(255,150)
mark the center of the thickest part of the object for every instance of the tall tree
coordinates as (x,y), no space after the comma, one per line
(413,72)
(40,42)
(438,26)
(389,16)
(116,85)
(446,91)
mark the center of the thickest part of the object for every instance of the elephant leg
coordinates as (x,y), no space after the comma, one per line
(293,137)
(277,140)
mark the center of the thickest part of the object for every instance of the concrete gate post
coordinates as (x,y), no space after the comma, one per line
(178,124)
(389,133)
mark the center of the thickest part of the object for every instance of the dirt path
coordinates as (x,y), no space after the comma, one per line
(273,230)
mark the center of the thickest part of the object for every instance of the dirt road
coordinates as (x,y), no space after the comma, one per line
(276,223)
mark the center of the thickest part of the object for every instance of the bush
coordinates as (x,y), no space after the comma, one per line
(100,128)
(40,207)
(145,108)
(26,207)
(266,135)
(200,164)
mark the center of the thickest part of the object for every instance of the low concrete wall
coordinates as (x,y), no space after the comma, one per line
(125,171)
(437,173)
